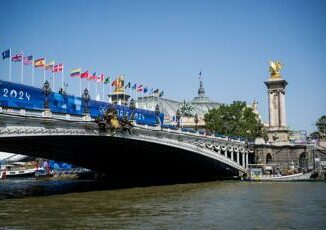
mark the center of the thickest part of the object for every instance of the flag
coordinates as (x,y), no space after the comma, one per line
(114,83)
(146,89)
(39,62)
(85,75)
(57,68)
(161,94)
(134,86)
(49,66)
(75,73)
(6,54)
(156,91)
(200,73)
(140,88)
(107,80)
(92,77)
(128,85)
(28,60)
(17,58)
(100,78)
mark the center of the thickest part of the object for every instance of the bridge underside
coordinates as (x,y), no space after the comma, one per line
(119,157)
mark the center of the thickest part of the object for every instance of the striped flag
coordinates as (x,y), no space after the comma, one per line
(49,66)
(39,63)
(75,73)
(28,60)
(140,88)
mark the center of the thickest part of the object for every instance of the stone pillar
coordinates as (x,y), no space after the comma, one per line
(247,159)
(231,155)
(270,111)
(226,153)
(282,108)
(238,160)
(243,160)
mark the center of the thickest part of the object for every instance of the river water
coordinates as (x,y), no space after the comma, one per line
(48,204)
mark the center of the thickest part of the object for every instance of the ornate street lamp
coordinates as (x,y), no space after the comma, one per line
(178,116)
(132,106)
(86,98)
(196,121)
(157,113)
(47,91)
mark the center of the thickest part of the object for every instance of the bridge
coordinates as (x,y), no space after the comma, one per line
(149,151)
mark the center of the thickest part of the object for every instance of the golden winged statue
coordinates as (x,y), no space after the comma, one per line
(275,69)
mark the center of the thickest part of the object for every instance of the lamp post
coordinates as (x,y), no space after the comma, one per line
(196,119)
(132,106)
(178,116)
(46,90)
(86,97)
(157,113)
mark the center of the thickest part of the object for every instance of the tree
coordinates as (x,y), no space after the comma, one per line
(187,109)
(234,120)
(321,124)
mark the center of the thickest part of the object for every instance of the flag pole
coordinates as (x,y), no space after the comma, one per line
(103,89)
(53,80)
(22,68)
(10,65)
(62,83)
(96,89)
(44,70)
(80,82)
(33,71)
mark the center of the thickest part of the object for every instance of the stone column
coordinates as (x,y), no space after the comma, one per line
(238,160)
(247,159)
(271,110)
(226,152)
(243,160)
(282,108)
(231,155)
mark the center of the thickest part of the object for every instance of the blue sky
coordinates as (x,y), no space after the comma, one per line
(164,44)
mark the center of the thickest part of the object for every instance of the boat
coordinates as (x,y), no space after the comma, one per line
(17,170)
(257,174)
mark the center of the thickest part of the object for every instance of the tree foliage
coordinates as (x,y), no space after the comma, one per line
(234,120)
(187,109)
(321,124)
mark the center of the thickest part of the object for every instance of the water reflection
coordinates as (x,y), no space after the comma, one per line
(213,205)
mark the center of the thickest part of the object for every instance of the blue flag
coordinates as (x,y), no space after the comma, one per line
(146,89)
(134,87)
(5,54)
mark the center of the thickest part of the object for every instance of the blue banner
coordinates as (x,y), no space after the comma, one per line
(20,96)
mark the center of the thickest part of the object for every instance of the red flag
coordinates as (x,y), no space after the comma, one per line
(100,78)
(114,83)
(57,68)
(85,75)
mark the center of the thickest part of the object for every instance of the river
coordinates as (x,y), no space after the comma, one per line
(33,204)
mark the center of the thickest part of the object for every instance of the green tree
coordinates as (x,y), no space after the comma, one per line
(321,124)
(234,120)
(187,109)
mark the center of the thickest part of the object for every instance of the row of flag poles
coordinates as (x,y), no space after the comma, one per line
(59,68)
(35,63)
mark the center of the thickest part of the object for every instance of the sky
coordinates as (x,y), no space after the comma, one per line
(165,44)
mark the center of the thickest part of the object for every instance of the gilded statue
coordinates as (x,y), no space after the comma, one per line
(275,69)
(119,84)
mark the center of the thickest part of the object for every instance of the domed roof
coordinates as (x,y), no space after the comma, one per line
(201,98)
